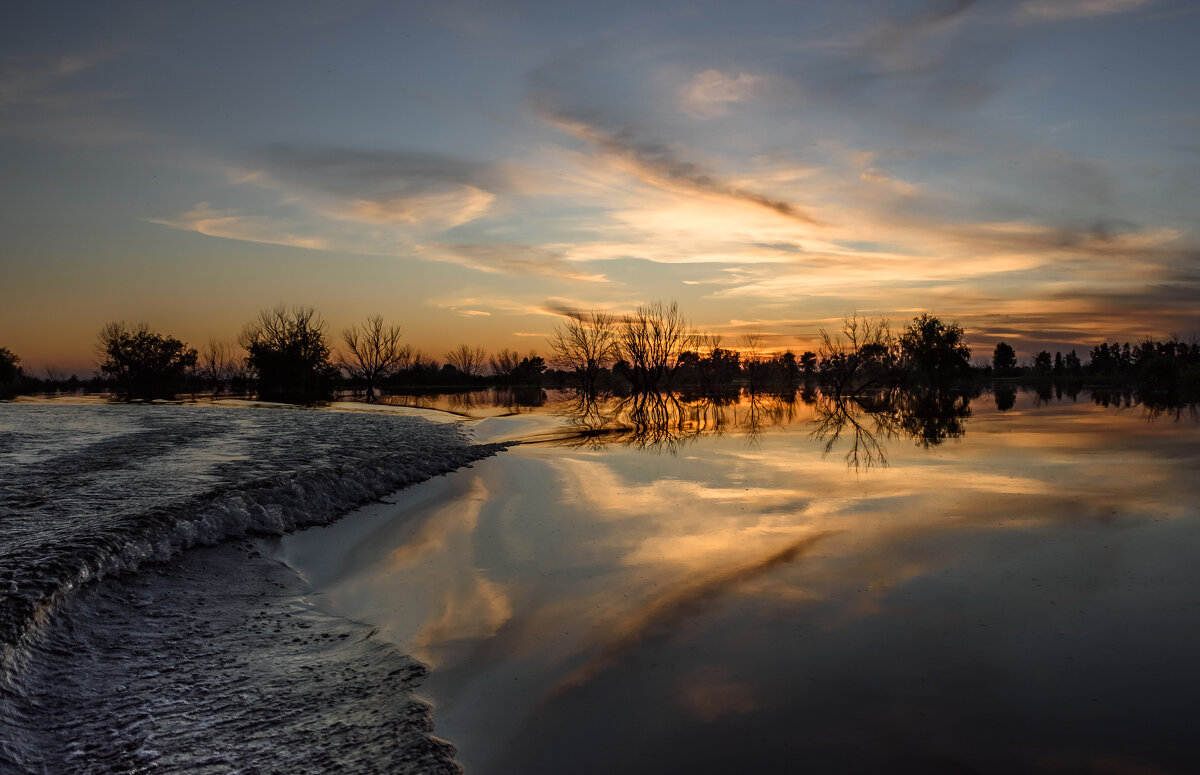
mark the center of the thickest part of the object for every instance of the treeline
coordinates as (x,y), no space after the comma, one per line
(1149,364)
(287,354)
(654,348)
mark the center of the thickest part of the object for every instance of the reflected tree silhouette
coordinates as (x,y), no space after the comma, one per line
(838,417)
(666,421)
(764,411)
(1006,397)
(865,422)
(928,417)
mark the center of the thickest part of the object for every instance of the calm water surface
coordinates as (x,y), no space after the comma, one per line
(1002,592)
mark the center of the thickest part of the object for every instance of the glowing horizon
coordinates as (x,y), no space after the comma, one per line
(1026,169)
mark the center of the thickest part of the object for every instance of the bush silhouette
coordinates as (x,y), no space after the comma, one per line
(143,364)
(287,349)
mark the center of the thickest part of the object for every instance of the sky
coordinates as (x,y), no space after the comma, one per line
(474,170)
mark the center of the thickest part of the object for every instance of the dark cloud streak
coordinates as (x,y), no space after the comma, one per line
(364,174)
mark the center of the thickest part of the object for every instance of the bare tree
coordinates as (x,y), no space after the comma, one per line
(375,352)
(652,339)
(54,378)
(419,361)
(288,351)
(504,362)
(467,360)
(752,355)
(216,364)
(862,356)
(585,343)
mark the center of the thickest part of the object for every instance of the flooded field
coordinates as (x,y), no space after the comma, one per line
(756,585)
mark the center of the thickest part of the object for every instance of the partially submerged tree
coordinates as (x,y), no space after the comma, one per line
(287,350)
(651,341)
(863,356)
(585,343)
(141,363)
(10,372)
(935,350)
(375,352)
(216,365)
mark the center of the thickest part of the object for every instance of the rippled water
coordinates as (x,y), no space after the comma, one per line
(139,672)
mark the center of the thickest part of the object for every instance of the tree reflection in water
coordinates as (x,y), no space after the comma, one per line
(928,417)
(666,422)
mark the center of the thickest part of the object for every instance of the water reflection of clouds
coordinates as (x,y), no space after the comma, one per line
(442,598)
(569,570)
(661,614)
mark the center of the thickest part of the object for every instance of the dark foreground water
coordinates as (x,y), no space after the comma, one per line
(766,587)
(125,649)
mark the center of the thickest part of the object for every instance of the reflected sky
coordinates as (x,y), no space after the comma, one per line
(1019,598)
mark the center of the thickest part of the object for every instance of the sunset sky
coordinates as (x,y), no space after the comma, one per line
(471,170)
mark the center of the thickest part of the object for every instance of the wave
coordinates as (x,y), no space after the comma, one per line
(89,491)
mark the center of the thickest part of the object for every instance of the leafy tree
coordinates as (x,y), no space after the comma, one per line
(936,350)
(1072,364)
(143,364)
(1004,359)
(10,372)
(288,351)
(508,367)
(1042,364)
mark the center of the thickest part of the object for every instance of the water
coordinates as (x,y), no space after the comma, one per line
(209,660)
(654,584)
(931,586)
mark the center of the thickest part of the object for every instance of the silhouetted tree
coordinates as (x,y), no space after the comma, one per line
(504,363)
(1072,365)
(1042,364)
(216,365)
(935,350)
(141,363)
(528,371)
(1004,359)
(10,372)
(651,340)
(375,352)
(752,365)
(466,360)
(585,343)
(862,357)
(287,350)
(808,363)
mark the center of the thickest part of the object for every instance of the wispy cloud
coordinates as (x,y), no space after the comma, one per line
(50,99)
(1054,10)
(499,257)
(649,161)
(710,93)
(203,219)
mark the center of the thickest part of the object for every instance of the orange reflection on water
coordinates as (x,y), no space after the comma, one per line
(547,576)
